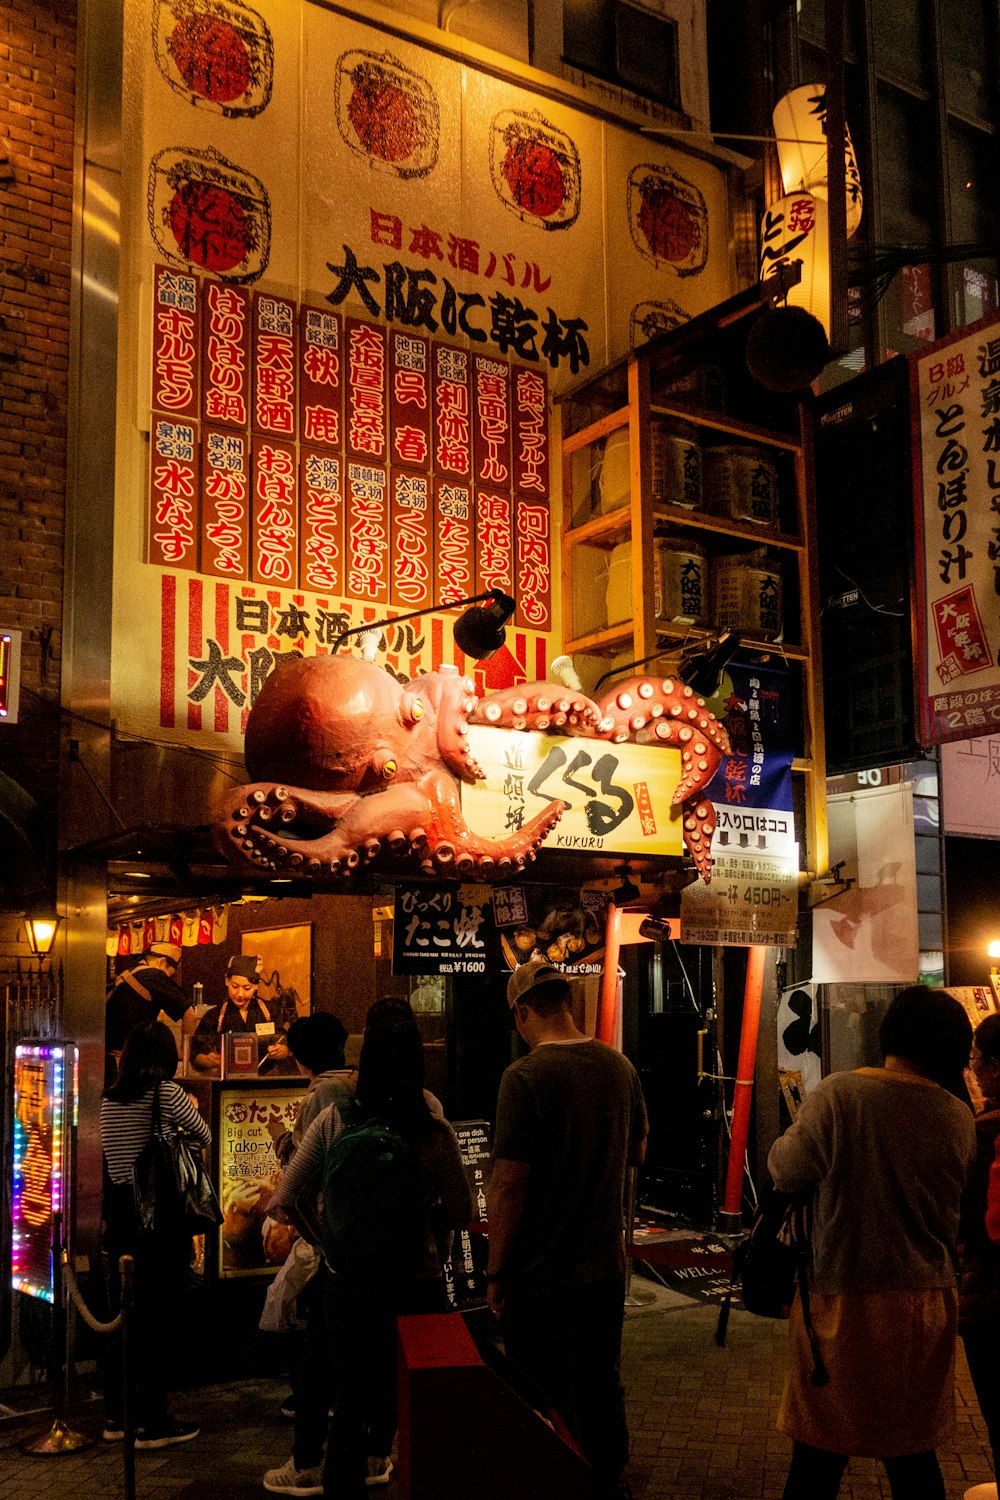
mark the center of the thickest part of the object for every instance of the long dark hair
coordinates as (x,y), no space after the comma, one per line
(391,1071)
(149,1055)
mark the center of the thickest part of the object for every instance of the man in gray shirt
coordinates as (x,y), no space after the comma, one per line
(570,1120)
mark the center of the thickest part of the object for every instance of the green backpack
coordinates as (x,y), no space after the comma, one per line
(373,1217)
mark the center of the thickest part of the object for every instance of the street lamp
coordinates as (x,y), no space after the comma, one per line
(41,930)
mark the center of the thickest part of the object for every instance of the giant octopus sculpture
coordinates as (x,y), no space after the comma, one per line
(347,764)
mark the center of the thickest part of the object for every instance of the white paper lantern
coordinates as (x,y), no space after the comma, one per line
(796,229)
(800,129)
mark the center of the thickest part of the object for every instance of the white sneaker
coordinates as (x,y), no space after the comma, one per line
(379,1470)
(288,1480)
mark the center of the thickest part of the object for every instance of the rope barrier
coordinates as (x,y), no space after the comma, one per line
(69,1278)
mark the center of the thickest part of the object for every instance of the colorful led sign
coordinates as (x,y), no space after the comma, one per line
(46,1090)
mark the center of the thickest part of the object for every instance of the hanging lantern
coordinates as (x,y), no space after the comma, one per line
(795,229)
(800,129)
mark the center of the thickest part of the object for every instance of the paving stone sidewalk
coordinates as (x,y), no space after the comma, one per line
(701,1418)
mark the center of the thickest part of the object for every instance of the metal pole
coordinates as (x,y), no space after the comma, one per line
(730,1218)
(60,1438)
(126,1270)
(607,1013)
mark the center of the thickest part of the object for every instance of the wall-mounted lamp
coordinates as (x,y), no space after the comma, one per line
(478,633)
(657,929)
(41,934)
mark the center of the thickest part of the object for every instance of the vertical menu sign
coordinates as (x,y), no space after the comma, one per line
(532,518)
(225,410)
(274,533)
(466,1271)
(172,531)
(411,525)
(366,537)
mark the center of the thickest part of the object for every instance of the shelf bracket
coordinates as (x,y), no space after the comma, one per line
(833,883)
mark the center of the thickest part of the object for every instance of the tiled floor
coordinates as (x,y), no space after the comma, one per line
(702,1424)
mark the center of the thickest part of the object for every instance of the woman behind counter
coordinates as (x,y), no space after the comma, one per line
(242,1010)
(148,1062)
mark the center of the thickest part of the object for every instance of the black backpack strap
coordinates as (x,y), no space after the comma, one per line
(820,1375)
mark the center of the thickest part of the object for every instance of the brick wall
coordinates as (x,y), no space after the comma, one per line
(37,101)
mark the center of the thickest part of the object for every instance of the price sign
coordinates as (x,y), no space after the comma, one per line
(442,929)
(753,898)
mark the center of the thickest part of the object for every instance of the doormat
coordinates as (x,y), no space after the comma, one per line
(699,1265)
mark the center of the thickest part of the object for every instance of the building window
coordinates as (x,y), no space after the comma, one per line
(624,44)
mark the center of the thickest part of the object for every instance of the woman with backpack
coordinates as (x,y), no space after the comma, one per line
(147,1067)
(887,1152)
(382,1198)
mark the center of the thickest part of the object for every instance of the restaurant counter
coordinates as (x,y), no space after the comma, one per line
(244,1169)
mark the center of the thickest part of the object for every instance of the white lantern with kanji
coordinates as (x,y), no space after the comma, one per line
(795,229)
(800,130)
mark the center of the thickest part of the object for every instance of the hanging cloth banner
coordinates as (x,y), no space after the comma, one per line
(752,789)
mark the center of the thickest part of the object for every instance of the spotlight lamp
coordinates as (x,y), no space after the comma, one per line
(703,670)
(655,928)
(479,632)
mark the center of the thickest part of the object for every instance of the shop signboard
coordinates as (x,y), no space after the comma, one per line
(46,1092)
(354,289)
(955,385)
(444,929)
(618,797)
(251,1116)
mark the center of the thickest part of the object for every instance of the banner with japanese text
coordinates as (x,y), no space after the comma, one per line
(955,386)
(358,261)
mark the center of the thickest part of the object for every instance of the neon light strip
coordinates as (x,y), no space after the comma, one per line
(54,1106)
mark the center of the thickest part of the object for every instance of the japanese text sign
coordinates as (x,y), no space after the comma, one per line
(955,388)
(444,929)
(618,795)
(753,898)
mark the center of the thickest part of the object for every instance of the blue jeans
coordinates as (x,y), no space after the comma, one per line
(569,1344)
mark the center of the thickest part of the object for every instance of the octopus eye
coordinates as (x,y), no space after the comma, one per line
(416,711)
(388,770)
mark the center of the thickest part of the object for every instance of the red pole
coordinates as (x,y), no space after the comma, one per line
(607,1009)
(743,1092)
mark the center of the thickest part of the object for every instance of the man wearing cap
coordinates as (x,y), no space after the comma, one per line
(242,1010)
(140,995)
(570,1120)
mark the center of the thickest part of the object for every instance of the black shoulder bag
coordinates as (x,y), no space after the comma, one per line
(771,1262)
(173,1193)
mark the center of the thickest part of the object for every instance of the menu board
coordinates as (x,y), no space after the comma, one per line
(250,1116)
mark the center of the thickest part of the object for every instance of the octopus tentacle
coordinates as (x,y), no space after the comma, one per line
(666,711)
(538,705)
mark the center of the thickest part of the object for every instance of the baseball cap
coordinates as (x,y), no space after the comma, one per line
(245,966)
(528,977)
(172,951)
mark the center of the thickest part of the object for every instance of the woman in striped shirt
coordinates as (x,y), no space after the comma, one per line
(148,1064)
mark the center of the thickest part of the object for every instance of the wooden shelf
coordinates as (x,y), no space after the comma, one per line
(614,639)
(641,520)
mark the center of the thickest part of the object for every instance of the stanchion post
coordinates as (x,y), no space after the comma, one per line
(60,1438)
(126,1268)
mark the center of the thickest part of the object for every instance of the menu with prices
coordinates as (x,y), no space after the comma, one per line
(249,1119)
